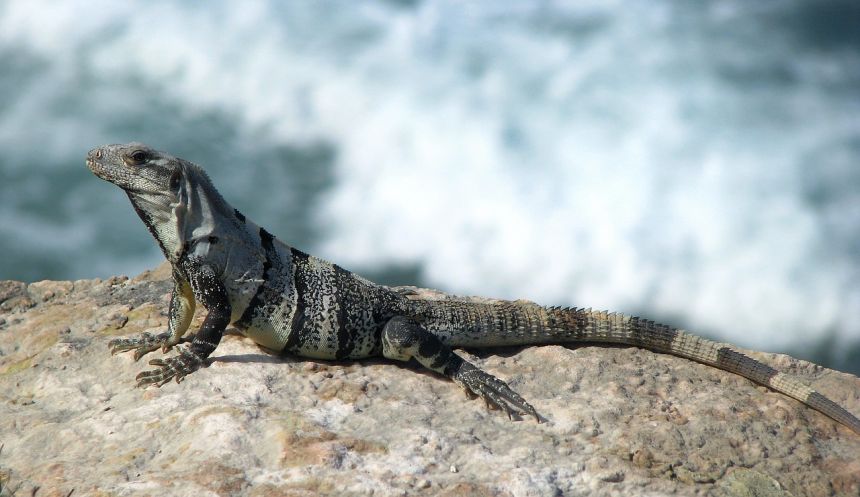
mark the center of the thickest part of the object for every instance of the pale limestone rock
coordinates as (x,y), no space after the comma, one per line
(620,420)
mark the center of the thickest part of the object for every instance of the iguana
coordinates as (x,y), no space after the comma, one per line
(287,300)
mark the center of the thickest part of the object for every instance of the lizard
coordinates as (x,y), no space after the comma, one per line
(289,301)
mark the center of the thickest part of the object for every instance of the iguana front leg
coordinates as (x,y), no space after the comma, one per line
(179,317)
(211,293)
(403,339)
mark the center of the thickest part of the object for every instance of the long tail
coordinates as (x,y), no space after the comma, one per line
(467,323)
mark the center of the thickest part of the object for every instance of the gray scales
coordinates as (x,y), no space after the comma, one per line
(287,300)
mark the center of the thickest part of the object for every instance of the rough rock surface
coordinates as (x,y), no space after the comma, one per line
(620,421)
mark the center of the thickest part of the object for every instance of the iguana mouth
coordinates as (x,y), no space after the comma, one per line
(95,164)
(96,168)
(91,159)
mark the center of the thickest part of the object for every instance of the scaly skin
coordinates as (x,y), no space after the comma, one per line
(290,301)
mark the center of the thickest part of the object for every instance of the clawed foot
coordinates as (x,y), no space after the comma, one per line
(171,368)
(495,392)
(142,345)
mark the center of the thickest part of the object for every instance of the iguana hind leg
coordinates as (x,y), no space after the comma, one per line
(403,339)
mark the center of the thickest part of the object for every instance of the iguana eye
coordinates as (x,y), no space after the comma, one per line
(138,157)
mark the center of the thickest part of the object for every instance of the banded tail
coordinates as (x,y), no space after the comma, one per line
(466,323)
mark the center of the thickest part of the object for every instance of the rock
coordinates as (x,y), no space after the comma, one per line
(44,291)
(14,296)
(620,420)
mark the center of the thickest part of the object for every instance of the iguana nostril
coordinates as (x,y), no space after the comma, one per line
(98,154)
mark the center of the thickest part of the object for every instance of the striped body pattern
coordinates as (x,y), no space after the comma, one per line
(292,302)
(309,307)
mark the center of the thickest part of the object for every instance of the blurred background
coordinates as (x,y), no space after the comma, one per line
(694,162)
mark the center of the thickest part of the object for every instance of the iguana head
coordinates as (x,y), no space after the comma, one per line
(138,169)
(173,197)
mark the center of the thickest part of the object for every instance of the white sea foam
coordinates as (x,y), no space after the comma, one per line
(631,156)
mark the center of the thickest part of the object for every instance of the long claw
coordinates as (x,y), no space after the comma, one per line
(495,392)
(142,345)
(176,367)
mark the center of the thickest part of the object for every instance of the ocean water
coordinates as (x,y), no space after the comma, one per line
(695,162)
